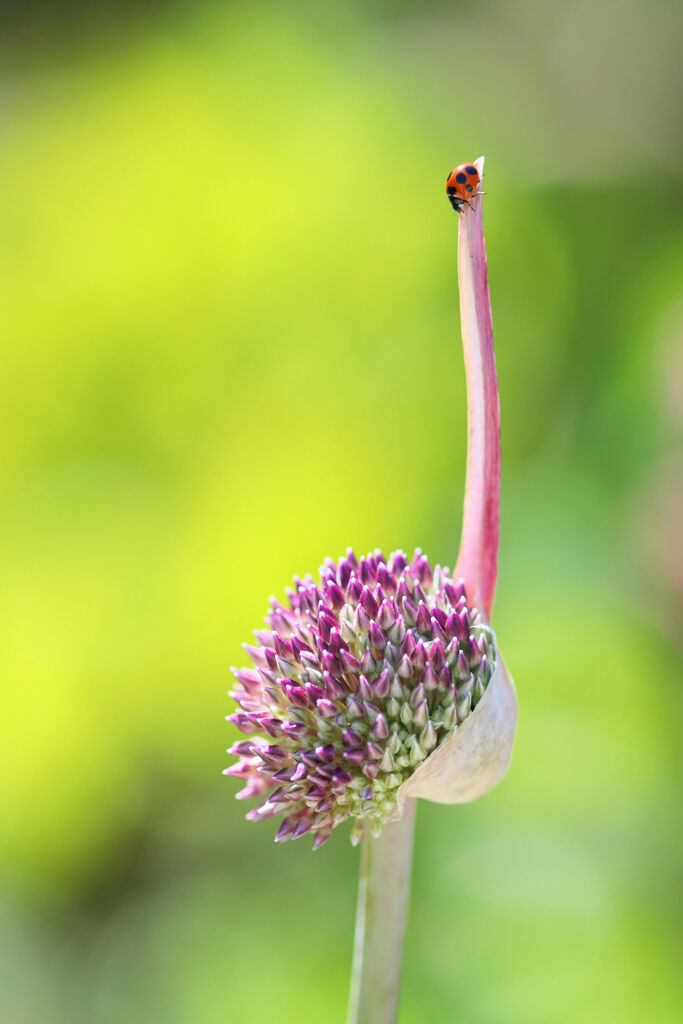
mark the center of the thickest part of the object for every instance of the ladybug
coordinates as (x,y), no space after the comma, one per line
(461,185)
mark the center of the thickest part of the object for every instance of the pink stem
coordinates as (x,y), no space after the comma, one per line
(478,559)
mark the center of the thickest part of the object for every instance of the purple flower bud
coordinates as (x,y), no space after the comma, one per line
(370,712)
(386,581)
(378,637)
(297,694)
(440,616)
(421,714)
(325,628)
(365,691)
(243,722)
(392,655)
(342,685)
(333,686)
(348,632)
(368,665)
(273,755)
(381,684)
(344,574)
(398,631)
(282,647)
(303,826)
(419,658)
(387,764)
(334,595)
(404,669)
(354,708)
(241,770)
(451,626)
(356,755)
(445,681)
(326,708)
(424,619)
(294,730)
(409,645)
(256,786)
(272,726)
(380,729)
(409,611)
(329,663)
(243,748)
(361,620)
(396,689)
(437,656)
(463,624)
(398,562)
(417,696)
(314,692)
(337,642)
(321,837)
(373,751)
(310,758)
(461,668)
(430,679)
(319,783)
(249,678)
(428,737)
(438,633)
(386,616)
(257,655)
(475,652)
(350,663)
(368,602)
(285,830)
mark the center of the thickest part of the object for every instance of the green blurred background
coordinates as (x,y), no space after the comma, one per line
(229,323)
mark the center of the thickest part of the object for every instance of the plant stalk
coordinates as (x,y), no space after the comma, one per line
(478,559)
(380,921)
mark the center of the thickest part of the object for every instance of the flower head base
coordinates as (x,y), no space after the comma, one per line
(354,684)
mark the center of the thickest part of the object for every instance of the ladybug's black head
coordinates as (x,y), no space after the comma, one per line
(456,202)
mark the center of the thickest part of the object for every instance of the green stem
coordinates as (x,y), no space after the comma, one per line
(380,921)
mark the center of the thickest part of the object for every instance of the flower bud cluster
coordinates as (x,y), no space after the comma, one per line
(354,684)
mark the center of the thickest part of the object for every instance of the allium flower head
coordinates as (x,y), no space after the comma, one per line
(354,684)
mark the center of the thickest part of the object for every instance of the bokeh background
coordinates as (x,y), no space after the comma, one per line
(230,347)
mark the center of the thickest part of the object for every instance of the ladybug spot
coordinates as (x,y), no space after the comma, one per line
(461,178)
(471,170)
(469,188)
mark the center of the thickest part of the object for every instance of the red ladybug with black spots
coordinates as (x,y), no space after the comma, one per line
(462,184)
